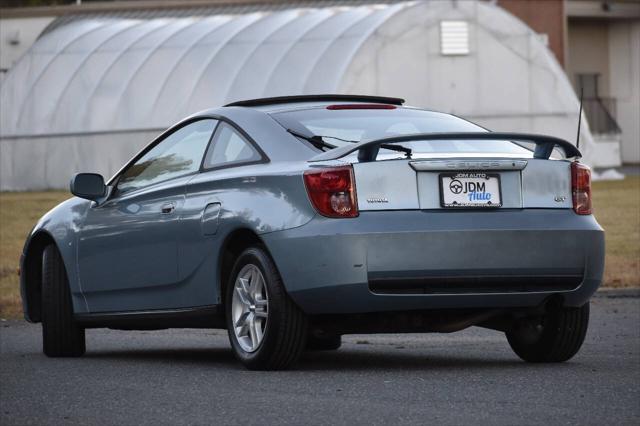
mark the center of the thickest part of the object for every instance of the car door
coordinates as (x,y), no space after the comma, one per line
(213,198)
(127,248)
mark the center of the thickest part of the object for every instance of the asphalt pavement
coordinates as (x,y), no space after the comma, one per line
(190,377)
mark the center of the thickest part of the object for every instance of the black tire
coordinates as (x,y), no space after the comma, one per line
(329,343)
(562,333)
(61,335)
(285,331)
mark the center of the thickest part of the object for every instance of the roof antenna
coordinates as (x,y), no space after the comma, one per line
(579,118)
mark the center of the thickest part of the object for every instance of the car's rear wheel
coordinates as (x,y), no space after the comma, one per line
(266,329)
(61,335)
(555,337)
(324,343)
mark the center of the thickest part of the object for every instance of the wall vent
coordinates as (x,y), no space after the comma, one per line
(454,38)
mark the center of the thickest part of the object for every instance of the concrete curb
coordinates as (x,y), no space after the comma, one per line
(618,292)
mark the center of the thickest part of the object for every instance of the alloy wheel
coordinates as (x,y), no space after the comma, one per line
(249,308)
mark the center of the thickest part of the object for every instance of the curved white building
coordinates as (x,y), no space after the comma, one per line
(94,89)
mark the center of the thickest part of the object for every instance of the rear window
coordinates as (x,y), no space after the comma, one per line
(342,127)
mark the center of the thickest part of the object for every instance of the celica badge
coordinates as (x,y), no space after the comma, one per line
(374,200)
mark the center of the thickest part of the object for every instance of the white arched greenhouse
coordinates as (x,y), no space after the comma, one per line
(94,89)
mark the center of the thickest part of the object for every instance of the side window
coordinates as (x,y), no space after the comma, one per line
(177,155)
(229,147)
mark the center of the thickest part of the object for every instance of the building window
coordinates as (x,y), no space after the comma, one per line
(600,111)
(588,85)
(454,38)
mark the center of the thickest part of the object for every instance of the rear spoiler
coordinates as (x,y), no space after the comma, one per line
(368,150)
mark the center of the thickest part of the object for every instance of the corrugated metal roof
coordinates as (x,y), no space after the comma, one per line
(147,69)
(224,8)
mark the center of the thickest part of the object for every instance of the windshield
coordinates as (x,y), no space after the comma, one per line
(345,126)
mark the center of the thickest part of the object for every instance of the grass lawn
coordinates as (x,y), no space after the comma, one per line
(19,211)
(616,205)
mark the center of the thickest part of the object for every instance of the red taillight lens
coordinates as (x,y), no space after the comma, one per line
(332,191)
(581,188)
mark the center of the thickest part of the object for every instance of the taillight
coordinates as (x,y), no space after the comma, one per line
(581,188)
(332,191)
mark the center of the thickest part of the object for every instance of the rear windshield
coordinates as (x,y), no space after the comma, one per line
(342,127)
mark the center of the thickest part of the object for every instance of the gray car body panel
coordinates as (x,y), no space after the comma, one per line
(168,263)
(136,260)
(409,244)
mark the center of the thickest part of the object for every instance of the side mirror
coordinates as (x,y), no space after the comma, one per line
(88,185)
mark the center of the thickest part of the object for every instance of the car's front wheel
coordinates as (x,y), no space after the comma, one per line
(555,337)
(266,329)
(61,335)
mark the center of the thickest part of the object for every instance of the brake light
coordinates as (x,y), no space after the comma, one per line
(581,188)
(332,191)
(360,106)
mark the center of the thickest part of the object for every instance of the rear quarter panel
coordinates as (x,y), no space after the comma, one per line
(261,198)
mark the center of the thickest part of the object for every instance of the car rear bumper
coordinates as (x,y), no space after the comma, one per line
(406,260)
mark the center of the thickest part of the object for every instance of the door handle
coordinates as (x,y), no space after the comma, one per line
(168,208)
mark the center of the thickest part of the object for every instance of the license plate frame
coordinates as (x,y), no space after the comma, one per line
(468,176)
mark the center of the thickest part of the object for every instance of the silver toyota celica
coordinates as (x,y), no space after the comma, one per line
(291,221)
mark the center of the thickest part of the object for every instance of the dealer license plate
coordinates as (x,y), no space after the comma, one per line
(470,190)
